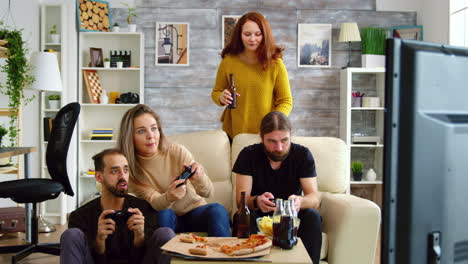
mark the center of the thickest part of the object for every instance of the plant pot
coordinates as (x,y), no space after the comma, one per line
(115,29)
(357,176)
(131,27)
(107,64)
(372,61)
(54,104)
(119,64)
(55,38)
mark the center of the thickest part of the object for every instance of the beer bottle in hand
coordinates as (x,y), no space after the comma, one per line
(243,218)
(232,89)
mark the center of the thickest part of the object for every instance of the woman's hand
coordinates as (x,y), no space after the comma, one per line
(175,193)
(197,170)
(225,97)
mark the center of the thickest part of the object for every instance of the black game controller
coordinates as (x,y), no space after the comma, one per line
(120,216)
(187,173)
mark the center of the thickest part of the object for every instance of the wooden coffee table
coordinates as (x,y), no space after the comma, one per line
(297,255)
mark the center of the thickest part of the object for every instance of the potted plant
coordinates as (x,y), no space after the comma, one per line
(54,36)
(356,167)
(54,101)
(116,27)
(119,62)
(3,132)
(130,13)
(18,76)
(373,47)
(106,63)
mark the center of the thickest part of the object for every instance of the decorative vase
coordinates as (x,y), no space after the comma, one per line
(104,99)
(55,38)
(131,27)
(120,64)
(107,64)
(372,61)
(371,175)
(357,176)
(54,104)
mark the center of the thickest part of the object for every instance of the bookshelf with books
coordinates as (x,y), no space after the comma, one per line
(100,116)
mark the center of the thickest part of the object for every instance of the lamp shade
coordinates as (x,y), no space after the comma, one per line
(349,32)
(46,72)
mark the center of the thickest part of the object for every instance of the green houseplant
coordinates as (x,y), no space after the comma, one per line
(3,132)
(130,13)
(54,36)
(18,76)
(116,27)
(373,47)
(356,167)
(106,63)
(54,101)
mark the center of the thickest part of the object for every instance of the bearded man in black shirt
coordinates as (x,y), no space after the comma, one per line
(277,168)
(115,227)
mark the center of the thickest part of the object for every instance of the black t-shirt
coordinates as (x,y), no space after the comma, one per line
(283,182)
(119,245)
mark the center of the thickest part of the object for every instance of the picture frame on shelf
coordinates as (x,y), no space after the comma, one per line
(93,85)
(93,15)
(407,32)
(96,57)
(314,45)
(228,23)
(172,43)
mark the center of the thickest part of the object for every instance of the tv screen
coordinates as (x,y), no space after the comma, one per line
(425,214)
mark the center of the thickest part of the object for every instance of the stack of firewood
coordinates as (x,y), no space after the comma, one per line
(3,49)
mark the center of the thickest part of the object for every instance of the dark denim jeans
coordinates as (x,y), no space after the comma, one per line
(211,218)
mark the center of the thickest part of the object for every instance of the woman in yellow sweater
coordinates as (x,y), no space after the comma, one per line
(155,165)
(260,77)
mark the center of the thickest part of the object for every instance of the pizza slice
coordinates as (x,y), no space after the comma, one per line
(253,244)
(191,238)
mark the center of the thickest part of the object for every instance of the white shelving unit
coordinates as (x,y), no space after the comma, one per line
(53,210)
(94,116)
(371,81)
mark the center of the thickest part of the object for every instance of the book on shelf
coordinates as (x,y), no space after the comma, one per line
(47,122)
(103,131)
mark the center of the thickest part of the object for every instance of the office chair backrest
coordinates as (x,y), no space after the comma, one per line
(59,141)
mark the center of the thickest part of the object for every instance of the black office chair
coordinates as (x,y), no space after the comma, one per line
(36,190)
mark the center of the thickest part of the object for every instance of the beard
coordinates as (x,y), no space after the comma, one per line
(277,155)
(115,189)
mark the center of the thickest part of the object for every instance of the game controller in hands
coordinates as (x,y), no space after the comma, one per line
(187,173)
(120,216)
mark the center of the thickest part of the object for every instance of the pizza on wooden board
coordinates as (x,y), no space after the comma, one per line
(253,244)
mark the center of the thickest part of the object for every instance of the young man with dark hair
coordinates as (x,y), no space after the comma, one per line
(115,227)
(277,168)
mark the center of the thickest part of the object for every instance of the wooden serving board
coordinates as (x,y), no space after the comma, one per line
(214,243)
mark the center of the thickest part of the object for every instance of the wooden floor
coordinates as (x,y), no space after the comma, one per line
(54,237)
(36,258)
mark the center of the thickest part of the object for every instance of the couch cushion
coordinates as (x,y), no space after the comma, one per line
(330,154)
(212,150)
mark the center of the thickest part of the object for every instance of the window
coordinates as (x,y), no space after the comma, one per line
(459,22)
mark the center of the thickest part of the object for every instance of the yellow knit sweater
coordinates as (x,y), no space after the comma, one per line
(260,93)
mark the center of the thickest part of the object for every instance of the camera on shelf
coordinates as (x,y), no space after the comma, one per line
(129,98)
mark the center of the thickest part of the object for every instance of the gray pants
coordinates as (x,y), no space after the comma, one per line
(74,247)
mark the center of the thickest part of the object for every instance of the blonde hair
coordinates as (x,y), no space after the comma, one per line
(125,140)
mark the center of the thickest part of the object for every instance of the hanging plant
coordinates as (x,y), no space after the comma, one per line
(18,76)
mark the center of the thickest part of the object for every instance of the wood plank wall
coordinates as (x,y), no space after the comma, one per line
(181,95)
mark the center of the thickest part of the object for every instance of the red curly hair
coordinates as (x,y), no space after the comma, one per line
(266,52)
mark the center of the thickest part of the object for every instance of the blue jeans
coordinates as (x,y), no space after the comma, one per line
(211,218)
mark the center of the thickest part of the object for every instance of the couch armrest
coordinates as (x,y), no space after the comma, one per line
(352,225)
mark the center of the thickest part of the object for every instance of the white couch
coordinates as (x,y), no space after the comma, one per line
(350,224)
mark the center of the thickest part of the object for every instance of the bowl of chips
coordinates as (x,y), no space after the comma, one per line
(265,225)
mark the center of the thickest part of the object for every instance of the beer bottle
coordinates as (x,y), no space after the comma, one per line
(232,89)
(243,218)
(277,220)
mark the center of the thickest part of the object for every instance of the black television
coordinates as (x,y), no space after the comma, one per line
(425,198)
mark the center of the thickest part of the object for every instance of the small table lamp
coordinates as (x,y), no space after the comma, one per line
(47,78)
(349,32)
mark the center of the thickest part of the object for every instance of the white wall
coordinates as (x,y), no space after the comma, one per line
(433,15)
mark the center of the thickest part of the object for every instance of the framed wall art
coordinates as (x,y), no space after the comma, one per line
(172,43)
(96,57)
(93,15)
(407,32)
(314,45)
(93,85)
(228,23)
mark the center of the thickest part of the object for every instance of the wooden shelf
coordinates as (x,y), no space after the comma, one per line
(110,69)
(9,170)
(5,112)
(365,182)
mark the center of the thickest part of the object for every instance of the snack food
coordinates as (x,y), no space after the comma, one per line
(191,238)
(199,250)
(265,224)
(253,244)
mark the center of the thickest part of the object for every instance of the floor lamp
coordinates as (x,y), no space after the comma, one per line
(47,78)
(349,33)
